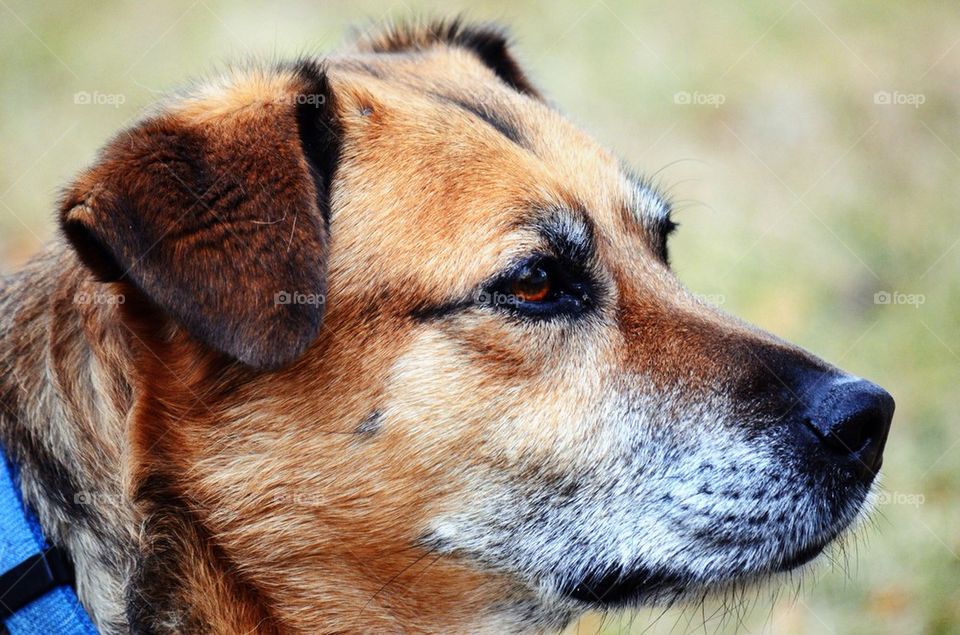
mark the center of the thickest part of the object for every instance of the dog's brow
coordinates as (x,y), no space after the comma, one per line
(646,205)
(568,231)
(500,122)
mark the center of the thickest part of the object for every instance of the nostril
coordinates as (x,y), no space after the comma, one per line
(852,433)
(852,420)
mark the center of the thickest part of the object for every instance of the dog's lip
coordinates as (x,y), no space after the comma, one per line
(802,556)
(614,588)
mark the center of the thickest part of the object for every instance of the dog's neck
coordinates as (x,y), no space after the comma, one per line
(76,416)
(61,421)
(66,394)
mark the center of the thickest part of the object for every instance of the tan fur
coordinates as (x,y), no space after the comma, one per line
(283,516)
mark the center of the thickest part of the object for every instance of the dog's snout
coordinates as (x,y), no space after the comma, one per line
(851,418)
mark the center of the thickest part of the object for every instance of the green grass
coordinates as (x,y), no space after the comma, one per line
(800,198)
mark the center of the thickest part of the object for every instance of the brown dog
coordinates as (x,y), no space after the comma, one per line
(384,344)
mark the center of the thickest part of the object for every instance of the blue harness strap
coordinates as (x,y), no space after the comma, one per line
(36,596)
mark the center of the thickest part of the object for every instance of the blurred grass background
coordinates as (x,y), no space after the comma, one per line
(812,147)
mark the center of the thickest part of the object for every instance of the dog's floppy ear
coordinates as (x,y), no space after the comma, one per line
(216,210)
(488,42)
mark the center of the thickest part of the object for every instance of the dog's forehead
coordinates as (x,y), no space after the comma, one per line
(463,132)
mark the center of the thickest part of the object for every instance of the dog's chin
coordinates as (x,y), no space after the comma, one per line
(801,557)
(615,588)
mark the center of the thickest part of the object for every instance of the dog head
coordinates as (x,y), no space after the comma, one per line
(409,352)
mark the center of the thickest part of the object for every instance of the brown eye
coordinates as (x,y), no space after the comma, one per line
(542,287)
(532,284)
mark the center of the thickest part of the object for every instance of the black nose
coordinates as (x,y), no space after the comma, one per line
(851,418)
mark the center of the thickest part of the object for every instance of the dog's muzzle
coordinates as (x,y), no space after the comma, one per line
(814,447)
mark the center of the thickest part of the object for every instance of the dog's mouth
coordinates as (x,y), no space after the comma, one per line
(801,557)
(614,587)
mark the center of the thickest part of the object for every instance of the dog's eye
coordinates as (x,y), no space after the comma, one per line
(538,287)
(532,284)
(666,229)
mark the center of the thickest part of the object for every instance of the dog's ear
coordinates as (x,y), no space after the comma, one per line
(488,42)
(216,208)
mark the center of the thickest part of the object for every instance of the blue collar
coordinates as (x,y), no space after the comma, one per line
(36,592)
